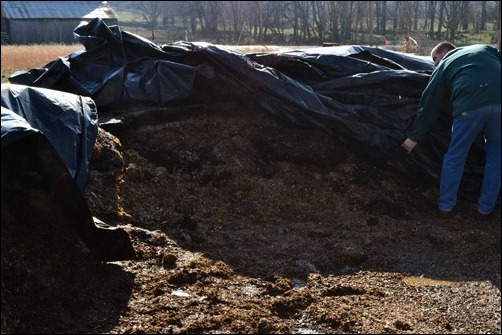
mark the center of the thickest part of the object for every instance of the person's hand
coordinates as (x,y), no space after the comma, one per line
(409,145)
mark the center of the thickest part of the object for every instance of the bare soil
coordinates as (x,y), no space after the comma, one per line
(244,224)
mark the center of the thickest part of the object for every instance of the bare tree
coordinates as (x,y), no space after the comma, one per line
(210,11)
(151,11)
(320,18)
(406,17)
(453,17)
(442,5)
(259,16)
(370,21)
(346,21)
(275,20)
(359,18)
(236,16)
(302,9)
(381,15)
(431,11)
(466,15)
(395,18)
(334,23)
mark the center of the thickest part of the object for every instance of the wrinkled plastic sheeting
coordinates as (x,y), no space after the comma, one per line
(314,65)
(118,69)
(38,189)
(364,96)
(69,122)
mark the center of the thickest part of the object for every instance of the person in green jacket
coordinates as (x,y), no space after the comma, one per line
(470,78)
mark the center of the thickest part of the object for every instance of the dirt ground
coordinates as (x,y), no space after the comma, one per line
(244,224)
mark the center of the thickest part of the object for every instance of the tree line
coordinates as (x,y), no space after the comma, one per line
(315,22)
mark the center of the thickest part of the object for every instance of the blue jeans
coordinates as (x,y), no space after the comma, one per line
(465,129)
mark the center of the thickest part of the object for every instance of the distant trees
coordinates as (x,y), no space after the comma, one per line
(316,22)
(151,12)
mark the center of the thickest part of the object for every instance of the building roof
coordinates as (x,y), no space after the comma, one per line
(57,10)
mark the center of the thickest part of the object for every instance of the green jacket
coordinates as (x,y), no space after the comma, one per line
(469,77)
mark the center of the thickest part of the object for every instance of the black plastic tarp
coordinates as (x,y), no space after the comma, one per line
(69,122)
(364,96)
(37,186)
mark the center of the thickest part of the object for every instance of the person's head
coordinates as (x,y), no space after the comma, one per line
(440,51)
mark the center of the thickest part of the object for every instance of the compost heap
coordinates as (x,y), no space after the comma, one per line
(262,193)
